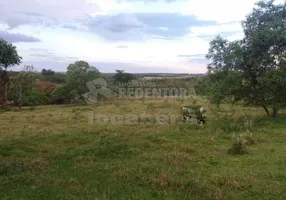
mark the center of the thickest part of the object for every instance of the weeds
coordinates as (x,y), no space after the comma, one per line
(238,145)
(240,142)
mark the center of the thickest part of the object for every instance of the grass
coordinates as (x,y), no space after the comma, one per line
(53,153)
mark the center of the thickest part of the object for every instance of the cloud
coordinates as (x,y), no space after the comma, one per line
(140,34)
(192,56)
(170,25)
(16,13)
(139,26)
(152,1)
(39,50)
(39,55)
(215,29)
(122,46)
(23,18)
(231,31)
(222,11)
(17,37)
(116,27)
(199,60)
(48,55)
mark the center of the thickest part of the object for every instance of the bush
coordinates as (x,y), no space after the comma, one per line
(238,145)
(249,139)
(36,98)
(240,142)
(62,93)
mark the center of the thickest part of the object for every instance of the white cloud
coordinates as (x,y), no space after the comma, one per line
(222,11)
(14,10)
(215,29)
(110,6)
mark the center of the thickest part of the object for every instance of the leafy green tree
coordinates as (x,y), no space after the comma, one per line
(21,86)
(56,78)
(252,69)
(78,74)
(8,58)
(36,98)
(61,93)
(123,77)
(202,85)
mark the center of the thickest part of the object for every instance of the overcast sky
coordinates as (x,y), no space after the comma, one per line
(134,35)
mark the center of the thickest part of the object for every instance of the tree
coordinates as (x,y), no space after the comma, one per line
(48,72)
(56,78)
(123,77)
(8,57)
(252,69)
(29,68)
(61,93)
(78,74)
(20,87)
(45,87)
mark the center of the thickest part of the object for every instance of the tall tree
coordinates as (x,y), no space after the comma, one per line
(8,58)
(253,69)
(78,74)
(123,77)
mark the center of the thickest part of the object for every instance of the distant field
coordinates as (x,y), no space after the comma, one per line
(53,153)
(165,77)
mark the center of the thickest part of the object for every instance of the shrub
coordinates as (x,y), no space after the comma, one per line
(36,98)
(238,145)
(240,142)
(45,87)
(62,93)
(248,137)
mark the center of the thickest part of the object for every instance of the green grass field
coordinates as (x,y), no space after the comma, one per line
(52,152)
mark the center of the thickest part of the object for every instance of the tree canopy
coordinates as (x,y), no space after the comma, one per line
(47,72)
(79,73)
(123,77)
(8,55)
(252,69)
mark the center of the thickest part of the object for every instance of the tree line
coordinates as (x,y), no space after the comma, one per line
(29,88)
(251,70)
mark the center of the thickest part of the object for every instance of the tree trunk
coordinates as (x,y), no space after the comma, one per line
(266,110)
(274,111)
(20,103)
(4,79)
(6,90)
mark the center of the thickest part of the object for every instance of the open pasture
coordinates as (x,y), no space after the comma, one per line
(52,152)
